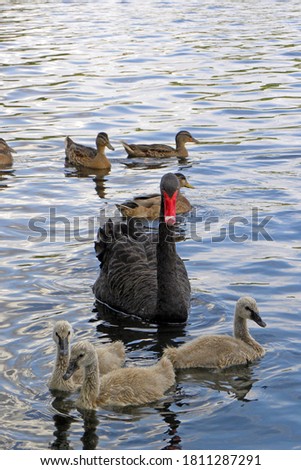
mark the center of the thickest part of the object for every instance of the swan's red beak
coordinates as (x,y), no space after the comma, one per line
(170,208)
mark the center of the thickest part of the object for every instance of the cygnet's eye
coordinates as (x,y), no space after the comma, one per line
(56,333)
(69,333)
(251,311)
(81,355)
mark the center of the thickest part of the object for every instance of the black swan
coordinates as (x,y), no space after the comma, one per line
(142,274)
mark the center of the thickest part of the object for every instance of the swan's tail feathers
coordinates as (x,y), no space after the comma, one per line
(111,232)
(99,250)
(102,239)
(106,235)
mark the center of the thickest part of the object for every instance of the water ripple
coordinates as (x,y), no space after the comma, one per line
(142,74)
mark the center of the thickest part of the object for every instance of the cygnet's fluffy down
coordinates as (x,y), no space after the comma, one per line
(221,351)
(110,356)
(121,387)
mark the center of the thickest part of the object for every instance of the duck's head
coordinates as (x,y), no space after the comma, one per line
(185,136)
(183,181)
(82,355)
(102,140)
(62,333)
(169,188)
(246,308)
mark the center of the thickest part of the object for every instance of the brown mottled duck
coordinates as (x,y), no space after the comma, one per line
(81,155)
(149,206)
(6,151)
(161,150)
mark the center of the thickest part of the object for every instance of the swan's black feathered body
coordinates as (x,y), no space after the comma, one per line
(142,274)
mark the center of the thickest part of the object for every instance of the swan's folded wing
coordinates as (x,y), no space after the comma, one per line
(127,278)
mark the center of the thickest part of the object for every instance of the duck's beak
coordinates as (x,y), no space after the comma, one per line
(72,367)
(110,146)
(170,208)
(188,185)
(257,318)
(196,141)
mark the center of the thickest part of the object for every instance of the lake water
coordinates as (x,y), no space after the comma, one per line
(229,72)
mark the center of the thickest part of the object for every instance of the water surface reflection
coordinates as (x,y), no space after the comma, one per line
(142,74)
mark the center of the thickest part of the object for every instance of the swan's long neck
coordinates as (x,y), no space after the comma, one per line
(170,306)
(90,389)
(241,332)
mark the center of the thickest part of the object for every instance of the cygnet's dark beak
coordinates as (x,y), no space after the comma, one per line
(257,318)
(64,346)
(72,367)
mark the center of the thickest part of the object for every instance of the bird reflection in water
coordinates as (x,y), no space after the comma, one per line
(134,331)
(5,175)
(62,420)
(235,382)
(63,423)
(98,177)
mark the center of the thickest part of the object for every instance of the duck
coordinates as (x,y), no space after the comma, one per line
(110,357)
(141,274)
(149,206)
(222,351)
(161,150)
(78,154)
(122,387)
(6,151)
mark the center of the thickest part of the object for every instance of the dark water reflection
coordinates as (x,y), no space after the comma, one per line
(230,74)
(236,383)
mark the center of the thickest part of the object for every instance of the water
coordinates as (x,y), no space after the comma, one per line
(230,74)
